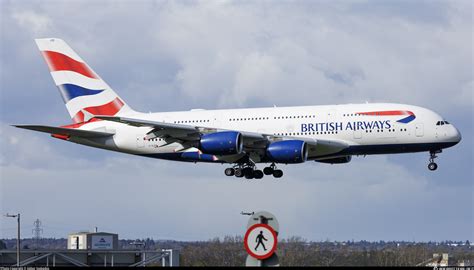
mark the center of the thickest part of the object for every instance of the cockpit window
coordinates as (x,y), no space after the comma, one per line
(441,123)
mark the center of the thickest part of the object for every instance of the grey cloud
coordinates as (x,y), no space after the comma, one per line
(318,205)
(179,55)
(396,57)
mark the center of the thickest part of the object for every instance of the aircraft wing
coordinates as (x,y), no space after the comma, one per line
(66,131)
(324,147)
(161,129)
(182,132)
(252,141)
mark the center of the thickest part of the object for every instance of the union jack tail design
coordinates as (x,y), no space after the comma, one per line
(82,90)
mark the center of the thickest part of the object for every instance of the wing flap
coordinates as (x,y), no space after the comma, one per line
(323,147)
(159,129)
(66,131)
(146,123)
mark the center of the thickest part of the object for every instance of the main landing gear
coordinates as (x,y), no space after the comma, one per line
(250,171)
(432,166)
(272,170)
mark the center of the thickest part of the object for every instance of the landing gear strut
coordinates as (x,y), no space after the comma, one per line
(432,166)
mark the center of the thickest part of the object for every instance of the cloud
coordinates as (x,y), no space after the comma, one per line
(254,53)
(33,21)
(120,193)
(163,56)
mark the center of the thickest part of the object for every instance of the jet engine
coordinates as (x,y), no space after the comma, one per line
(290,151)
(221,143)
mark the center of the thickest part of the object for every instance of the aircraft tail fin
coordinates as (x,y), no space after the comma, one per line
(80,87)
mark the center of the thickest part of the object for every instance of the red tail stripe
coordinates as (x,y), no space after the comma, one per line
(78,118)
(110,108)
(58,61)
(80,124)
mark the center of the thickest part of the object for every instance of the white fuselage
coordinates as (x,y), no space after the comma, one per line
(371,133)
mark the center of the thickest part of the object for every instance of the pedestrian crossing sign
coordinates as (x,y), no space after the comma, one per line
(260,241)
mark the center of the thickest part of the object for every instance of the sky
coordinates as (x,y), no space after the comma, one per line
(180,55)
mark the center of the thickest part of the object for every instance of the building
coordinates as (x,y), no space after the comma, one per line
(439,260)
(84,258)
(93,241)
(91,249)
(446,260)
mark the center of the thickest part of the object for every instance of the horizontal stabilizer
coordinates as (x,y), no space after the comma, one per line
(66,131)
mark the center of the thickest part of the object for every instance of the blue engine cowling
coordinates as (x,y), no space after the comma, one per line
(221,143)
(291,151)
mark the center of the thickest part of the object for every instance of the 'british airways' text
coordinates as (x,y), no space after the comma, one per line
(339,126)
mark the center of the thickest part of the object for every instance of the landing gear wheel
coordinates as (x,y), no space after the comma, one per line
(247,170)
(432,166)
(249,174)
(277,173)
(238,173)
(268,170)
(258,174)
(229,171)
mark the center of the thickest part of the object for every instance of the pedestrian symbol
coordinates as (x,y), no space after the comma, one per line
(260,241)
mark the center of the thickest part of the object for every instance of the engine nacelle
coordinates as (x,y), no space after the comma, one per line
(291,151)
(338,160)
(221,143)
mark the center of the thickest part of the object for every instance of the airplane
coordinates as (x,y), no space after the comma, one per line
(241,138)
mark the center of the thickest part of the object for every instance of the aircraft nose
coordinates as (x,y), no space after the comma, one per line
(456,135)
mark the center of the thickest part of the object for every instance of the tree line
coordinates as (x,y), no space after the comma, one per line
(293,251)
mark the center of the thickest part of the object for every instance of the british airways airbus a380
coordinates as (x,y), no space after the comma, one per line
(240,137)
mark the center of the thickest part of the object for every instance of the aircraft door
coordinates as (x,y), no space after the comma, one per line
(419,130)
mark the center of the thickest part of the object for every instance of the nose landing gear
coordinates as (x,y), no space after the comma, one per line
(432,166)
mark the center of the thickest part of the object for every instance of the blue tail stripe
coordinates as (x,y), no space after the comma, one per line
(71,91)
(407,119)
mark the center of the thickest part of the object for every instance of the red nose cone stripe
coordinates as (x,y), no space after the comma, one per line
(58,61)
(110,108)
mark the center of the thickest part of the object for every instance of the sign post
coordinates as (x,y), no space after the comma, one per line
(261,240)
